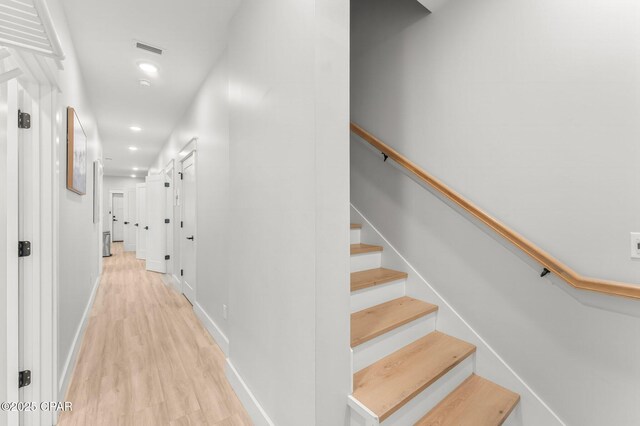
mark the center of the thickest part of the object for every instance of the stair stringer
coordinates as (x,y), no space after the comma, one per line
(531,410)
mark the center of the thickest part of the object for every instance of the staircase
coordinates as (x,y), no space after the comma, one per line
(406,371)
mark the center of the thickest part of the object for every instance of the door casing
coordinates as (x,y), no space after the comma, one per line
(111,194)
(190,154)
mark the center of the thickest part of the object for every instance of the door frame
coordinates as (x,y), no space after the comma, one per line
(140,227)
(170,214)
(132,220)
(111,193)
(189,151)
(41,225)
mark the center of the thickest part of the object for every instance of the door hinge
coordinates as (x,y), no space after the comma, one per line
(24,120)
(181,272)
(181,175)
(135,224)
(167,221)
(24,378)
(166,184)
(24,248)
(146,228)
(181,224)
(167,257)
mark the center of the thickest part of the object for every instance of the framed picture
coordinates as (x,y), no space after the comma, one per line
(97,190)
(76,154)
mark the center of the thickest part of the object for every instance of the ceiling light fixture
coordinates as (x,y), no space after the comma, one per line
(145,83)
(133,176)
(148,68)
(135,169)
(135,128)
(133,148)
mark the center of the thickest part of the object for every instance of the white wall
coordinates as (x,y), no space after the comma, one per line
(273,206)
(289,207)
(78,245)
(530,110)
(114,183)
(207,119)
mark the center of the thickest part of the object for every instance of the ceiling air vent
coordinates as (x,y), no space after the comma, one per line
(149,48)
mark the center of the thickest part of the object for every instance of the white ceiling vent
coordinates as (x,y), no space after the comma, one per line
(144,46)
(26,25)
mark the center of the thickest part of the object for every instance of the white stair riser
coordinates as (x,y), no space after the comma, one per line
(364,261)
(376,349)
(355,236)
(422,403)
(430,397)
(515,418)
(372,296)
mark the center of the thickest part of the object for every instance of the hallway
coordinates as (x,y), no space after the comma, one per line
(146,359)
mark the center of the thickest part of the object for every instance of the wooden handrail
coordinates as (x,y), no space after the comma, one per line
(545,259)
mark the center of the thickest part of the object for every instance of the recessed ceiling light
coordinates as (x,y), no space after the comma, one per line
(135,169)
(145,83)
(135,128)
(148,68)
(133,148)
(133,175)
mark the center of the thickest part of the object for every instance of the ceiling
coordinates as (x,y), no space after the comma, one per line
(192,34)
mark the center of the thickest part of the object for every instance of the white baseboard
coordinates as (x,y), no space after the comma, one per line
(177,283)
(213,329)
(172,281)
(70,363)
(249,401)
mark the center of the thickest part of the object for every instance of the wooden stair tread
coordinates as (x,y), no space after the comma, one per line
(476,402)
(372,277)
(385,386)
(356,226)
(364,248)
(377,320)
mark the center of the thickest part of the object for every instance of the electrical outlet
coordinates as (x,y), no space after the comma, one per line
(635,245)
(225,311)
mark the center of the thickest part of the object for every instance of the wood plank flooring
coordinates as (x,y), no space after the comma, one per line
(145,358)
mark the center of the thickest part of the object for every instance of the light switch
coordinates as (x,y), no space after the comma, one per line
(635,245)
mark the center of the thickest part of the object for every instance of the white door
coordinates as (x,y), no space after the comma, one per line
(141,221)
(129,219)
(117,217)
(188,234)
(9,239)
(27,205)
(156,226)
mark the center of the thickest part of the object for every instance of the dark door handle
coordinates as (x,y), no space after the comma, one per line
(115,220)
(146,227)
(135,224)
(126,223)
(190,238)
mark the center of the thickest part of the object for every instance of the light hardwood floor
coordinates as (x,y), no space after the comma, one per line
(145,358)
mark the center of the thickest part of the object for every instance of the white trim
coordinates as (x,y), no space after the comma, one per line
(249,401)
(218,336)
(176,283)
(70,364)
(466,324)
(9,282)
(191,153)
(371,419)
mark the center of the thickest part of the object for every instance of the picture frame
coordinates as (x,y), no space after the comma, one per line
(76,154)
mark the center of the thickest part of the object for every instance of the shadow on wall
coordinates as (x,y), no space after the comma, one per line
(373,21)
